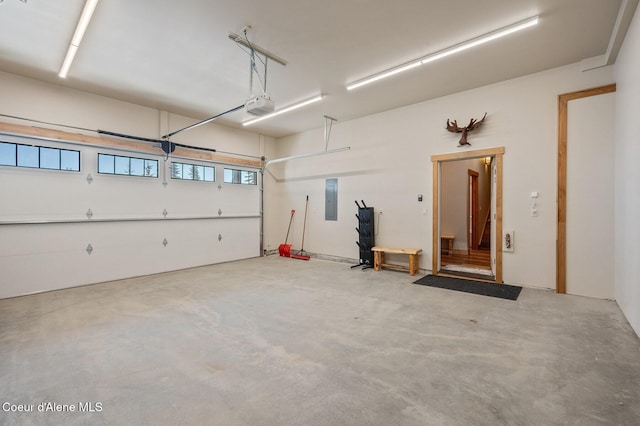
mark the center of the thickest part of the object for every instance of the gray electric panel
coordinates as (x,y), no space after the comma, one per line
(331,200)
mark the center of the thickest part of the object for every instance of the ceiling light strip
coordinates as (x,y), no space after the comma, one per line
(283,110)
(83,23)
(518,26)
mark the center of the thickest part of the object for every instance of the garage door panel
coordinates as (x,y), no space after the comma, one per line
(136,225)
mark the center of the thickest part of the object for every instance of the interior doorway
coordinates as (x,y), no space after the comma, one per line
(467,214)
(465,197)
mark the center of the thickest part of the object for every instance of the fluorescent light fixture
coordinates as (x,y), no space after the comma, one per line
(283,110)
(83,23)
(71,53)
(447,52)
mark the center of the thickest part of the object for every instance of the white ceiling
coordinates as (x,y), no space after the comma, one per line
(176,56)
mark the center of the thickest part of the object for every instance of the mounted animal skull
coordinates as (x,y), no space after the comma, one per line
(473,124)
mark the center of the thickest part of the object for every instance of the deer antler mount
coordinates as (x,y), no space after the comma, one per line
(452,126)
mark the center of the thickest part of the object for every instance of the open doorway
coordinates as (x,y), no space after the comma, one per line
(465,208)
(467,214)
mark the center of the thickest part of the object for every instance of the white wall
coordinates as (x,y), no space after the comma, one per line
(41,257)
(627,186)
(389,165)
(37,100)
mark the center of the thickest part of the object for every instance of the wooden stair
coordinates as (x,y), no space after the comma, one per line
(476,259)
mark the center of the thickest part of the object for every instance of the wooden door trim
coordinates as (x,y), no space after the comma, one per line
(561,237)
(498,153)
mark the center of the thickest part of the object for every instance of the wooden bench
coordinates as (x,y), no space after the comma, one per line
(378,258)
(448,247)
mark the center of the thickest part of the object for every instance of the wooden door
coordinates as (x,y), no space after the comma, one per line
(585,252)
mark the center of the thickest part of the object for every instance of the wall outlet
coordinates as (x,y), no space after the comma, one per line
(508,240)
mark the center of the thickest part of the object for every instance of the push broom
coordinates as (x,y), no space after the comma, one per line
(300,254)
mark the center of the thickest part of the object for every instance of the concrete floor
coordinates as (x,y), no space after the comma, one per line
(276,341)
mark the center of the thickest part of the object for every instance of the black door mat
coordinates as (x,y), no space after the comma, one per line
(502,291)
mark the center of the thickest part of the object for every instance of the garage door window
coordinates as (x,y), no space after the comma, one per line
(243,177)
(127,166)
(39,157)
(197,172)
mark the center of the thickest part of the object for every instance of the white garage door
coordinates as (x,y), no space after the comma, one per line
(72,215)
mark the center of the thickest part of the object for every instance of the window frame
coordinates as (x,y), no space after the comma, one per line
(39,164)
(129,158)
(202,171)
(241,173)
